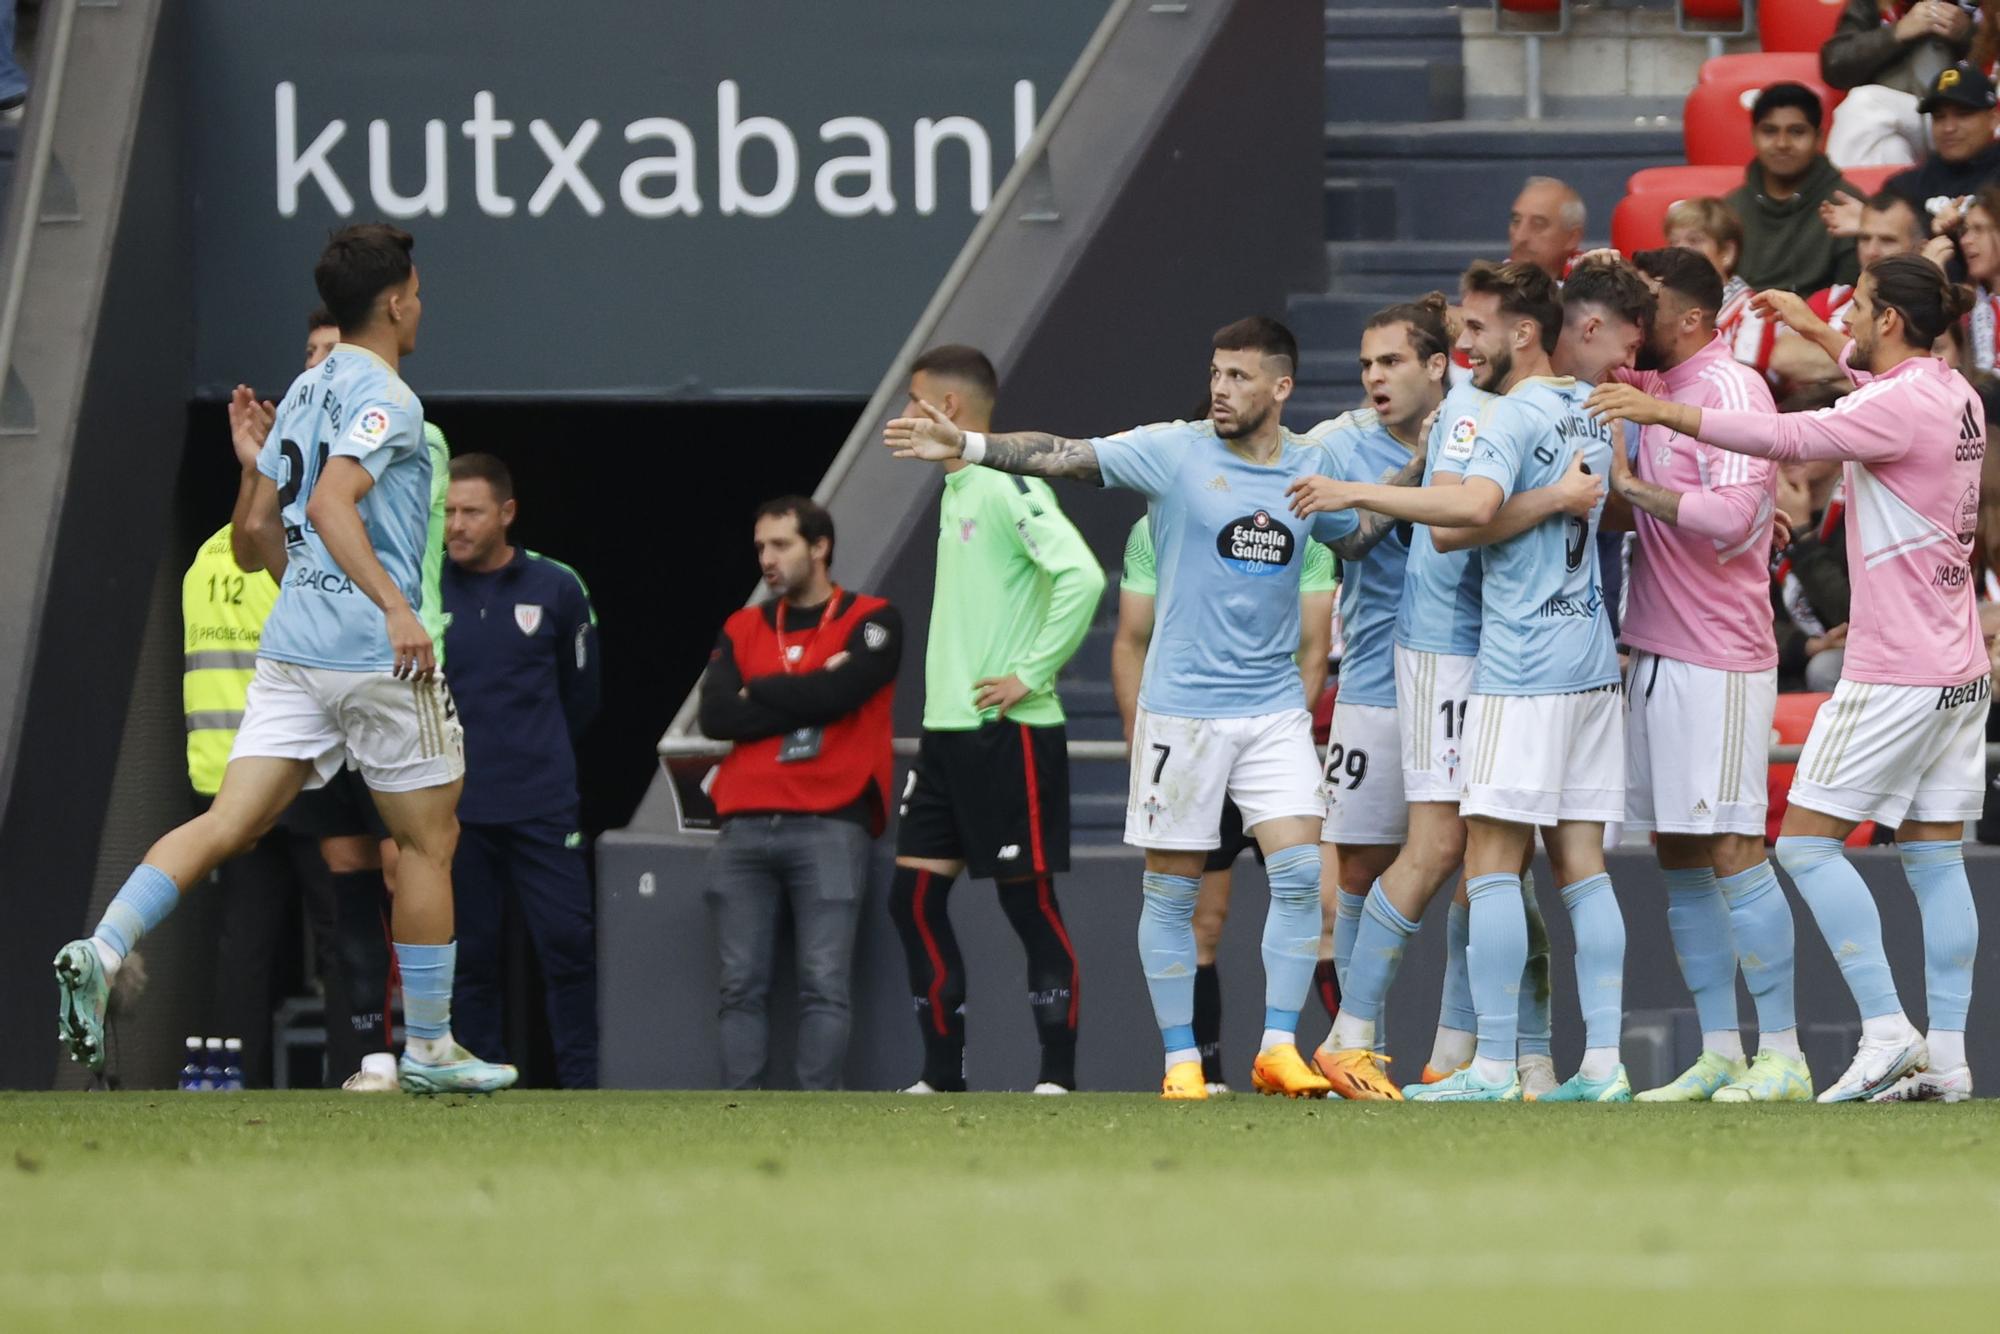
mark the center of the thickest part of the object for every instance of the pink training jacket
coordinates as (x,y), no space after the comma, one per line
(1701,589)
(1912,440)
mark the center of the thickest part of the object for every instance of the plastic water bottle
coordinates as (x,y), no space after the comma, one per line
(191,1072)
(232,1065)
(211,1071)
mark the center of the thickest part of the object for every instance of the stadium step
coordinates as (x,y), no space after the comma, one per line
(1360,88)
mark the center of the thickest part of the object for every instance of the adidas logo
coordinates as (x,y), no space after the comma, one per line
(1701,806)
(1218,483)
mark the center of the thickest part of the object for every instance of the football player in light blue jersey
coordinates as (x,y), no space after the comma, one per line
(1550,727)
(1219,703)
(345,670)
(1404,359)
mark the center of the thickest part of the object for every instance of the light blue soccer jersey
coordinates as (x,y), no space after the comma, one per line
(350,405)
(1370,588)
(1546,630)
(1440,611)
(1229,555)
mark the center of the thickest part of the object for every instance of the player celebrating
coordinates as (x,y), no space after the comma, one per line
(1219,707)
(1546,688)
(1138,590)
(1701,692)
(1902,741)
(345,667)
(1016,588)
(1404,361)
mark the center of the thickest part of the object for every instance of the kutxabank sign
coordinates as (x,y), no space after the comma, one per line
(665,199)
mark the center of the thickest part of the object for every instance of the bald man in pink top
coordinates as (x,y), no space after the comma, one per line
(1701,689)
(1902,742)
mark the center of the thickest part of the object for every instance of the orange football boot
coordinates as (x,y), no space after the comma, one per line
(1184,1083)
(1282,1071)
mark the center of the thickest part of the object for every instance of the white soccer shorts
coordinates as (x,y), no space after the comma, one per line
(1697,744)
(1544,759)
(1183,767)
(1363,778)
(1433,692)
(403,735)
(1889,753)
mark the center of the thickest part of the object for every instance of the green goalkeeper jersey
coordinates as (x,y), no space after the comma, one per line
(1016,590)
(431,613)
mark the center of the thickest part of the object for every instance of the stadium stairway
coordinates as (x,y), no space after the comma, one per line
(1419,178)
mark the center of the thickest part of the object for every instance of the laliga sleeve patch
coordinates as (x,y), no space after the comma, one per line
(370,430)
(1459,437)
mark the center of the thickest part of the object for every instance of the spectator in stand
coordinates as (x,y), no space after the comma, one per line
(1785,242)
(1706,226)
(1978,247)
(803,685)
(522,639)
(1887,53)
(1545,226)
(1890,225)
(1810,582)
(1963,119)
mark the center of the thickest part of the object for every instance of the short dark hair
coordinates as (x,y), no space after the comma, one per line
(1686,273)
(1426,320)
(960,362)
(1262,334)
(1884,200)
(321,318)
(358,265)
(1778,96)
(814,522)
(1525,292)
(1612,285)
(1918,290)
(477,467)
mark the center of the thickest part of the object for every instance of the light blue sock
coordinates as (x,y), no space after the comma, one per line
(1496,949)
(1455,1006)
(1378,950)
(143,902)
(1705,947)
(427,972)
(1346,923)
(1847,917)
(1291,935)
(1760,919)
(1166,951)
(1535,1023)
(1936,872)
(1599,928)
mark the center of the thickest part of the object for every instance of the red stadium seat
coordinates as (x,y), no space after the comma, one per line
(1685,182)
(1712,11)
(1789,727)
(1532,6)
(1715,122)
(1760,68)
(1797,25)
(1871,179)
(1639,221)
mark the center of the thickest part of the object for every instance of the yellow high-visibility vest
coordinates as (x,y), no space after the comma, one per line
(222,616)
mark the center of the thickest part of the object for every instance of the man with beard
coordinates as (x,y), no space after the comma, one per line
(1220,707)
(1547,653)
(1701,691)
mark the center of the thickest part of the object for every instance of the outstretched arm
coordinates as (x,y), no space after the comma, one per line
(1576,493)
(935,438)
(1375,525)
(1460,506)
(1858,427)
(1792,309)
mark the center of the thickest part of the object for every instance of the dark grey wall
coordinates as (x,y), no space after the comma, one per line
(571,288)
(657,977)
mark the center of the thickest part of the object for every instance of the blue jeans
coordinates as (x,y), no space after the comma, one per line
(13,79)
(818,866)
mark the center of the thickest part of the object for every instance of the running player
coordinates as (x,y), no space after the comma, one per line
(1138,590)
(1902,742)
(1546,651)
(1404,360)
(1219,709)
(1016,590)
(1700,692)
(346,666)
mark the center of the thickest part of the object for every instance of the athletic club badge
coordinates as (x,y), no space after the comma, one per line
(529,618)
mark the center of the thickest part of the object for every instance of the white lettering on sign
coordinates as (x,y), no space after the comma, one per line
(854,178)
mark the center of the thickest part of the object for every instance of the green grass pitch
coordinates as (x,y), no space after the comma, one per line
(544,1211)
